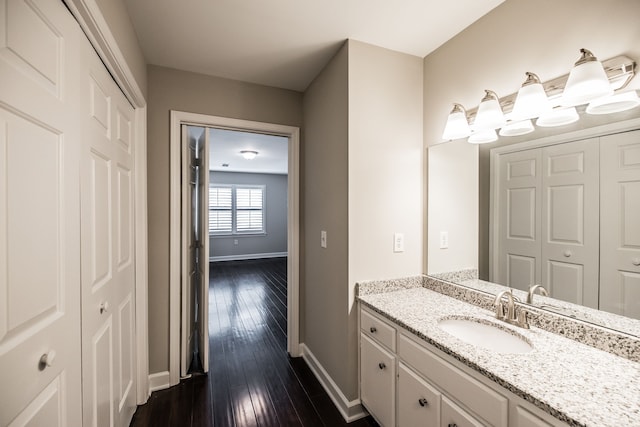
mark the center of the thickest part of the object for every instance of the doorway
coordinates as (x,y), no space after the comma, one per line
(179,323)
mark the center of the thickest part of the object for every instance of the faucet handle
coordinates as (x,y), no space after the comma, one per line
(523,319)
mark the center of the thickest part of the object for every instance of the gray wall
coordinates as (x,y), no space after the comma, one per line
(170,89)
(275,240)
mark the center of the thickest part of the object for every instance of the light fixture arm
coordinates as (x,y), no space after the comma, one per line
(586,56)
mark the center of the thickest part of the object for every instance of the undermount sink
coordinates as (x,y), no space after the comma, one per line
(485,334)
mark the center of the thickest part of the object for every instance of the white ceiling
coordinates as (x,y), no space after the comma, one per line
(286,43)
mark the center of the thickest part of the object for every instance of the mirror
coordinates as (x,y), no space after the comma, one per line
(513,213)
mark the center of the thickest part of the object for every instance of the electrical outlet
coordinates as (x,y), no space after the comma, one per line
(323,239)
(398,242)
(235,241)
(444,239)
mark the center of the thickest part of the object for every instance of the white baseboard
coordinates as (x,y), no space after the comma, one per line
(351,410)
(247,256)
(159,381)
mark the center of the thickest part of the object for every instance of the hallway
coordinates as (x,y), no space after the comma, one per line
(252,381)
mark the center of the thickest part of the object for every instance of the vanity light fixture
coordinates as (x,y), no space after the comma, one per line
(490,115)
(532,100)
(614,104)
(587,81)
(457,125)
(521,127)
(249,154)
(558,117)
(483,136)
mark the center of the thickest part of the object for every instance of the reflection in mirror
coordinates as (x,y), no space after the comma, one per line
(555,210)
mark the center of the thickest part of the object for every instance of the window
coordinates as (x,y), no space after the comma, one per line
(236,209)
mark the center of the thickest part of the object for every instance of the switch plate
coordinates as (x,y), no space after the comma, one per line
(323,239)
(444,239)
(398,242)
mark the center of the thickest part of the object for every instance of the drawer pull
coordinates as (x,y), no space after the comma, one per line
(104,307)
(373,329)
(453,425)
(381,365)
(46,360)
(423,402)
(635,261)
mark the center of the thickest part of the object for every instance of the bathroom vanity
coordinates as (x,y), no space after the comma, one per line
(428,359)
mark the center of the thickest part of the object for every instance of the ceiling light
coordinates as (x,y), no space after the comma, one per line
(531,101)
(249,154)
(457,125)
(587,81)
(483,136)
(522,127)
(614,103)
(558,117)
(490,115)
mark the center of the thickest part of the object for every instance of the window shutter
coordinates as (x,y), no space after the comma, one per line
(220,213)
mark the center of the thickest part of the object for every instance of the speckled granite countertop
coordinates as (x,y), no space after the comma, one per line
(575,383)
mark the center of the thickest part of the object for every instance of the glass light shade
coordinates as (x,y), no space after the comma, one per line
(249,154)
(587,81)
(522,127)
(531,101)
(457,125)
(614,103)
(483,136)
(558,117)
(489,115)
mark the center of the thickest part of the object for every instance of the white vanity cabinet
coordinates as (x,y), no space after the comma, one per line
(406,382)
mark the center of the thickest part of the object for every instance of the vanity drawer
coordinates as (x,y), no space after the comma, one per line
(480,399)
(418,402)
(377,329)
(452,415)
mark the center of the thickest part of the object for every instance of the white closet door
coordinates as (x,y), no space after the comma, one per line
(570,238)
(620,224)
(519,218)
(107,228)
(39,215)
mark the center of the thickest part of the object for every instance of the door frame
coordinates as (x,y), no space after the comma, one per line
(179,118)
(494,238)
(96,29)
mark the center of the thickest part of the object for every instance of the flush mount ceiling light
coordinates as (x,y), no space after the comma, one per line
(558,117)
(587,81)
(614,103)
(490,115)
(457,125)
(483,136)
(532,100)
(249,154)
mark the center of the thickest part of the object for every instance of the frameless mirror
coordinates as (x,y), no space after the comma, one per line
(557,208)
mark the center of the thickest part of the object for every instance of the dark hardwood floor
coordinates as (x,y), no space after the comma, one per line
(252,381)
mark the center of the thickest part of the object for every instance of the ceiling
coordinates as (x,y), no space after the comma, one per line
(286,43)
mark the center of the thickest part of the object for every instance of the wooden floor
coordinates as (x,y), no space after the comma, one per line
(252,381)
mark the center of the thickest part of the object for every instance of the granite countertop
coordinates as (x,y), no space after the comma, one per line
(575,383)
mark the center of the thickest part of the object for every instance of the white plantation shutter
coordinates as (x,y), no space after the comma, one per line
(236,209)
(220,210)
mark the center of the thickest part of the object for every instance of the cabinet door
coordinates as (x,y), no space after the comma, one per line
(418,402)
(525,418)
(454,416)
(378,373)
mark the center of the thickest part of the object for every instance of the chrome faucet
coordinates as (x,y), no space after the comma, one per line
(533,289)
(510,316)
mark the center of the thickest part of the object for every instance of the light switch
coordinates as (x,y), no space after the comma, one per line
(323,239)
(444,239)
(398,242)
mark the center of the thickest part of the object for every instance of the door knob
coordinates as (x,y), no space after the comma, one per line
(567,253)
(46,360)
(104,307)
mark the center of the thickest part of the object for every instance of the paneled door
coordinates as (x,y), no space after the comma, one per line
(620,224)
(107,229)
(519,233)
(40,377)
(570,238)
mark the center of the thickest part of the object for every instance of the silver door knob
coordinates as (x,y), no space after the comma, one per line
(381,365)
(47,359)
(567,253)
(373,329)
(104,307)
(635,261)
(423,402)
